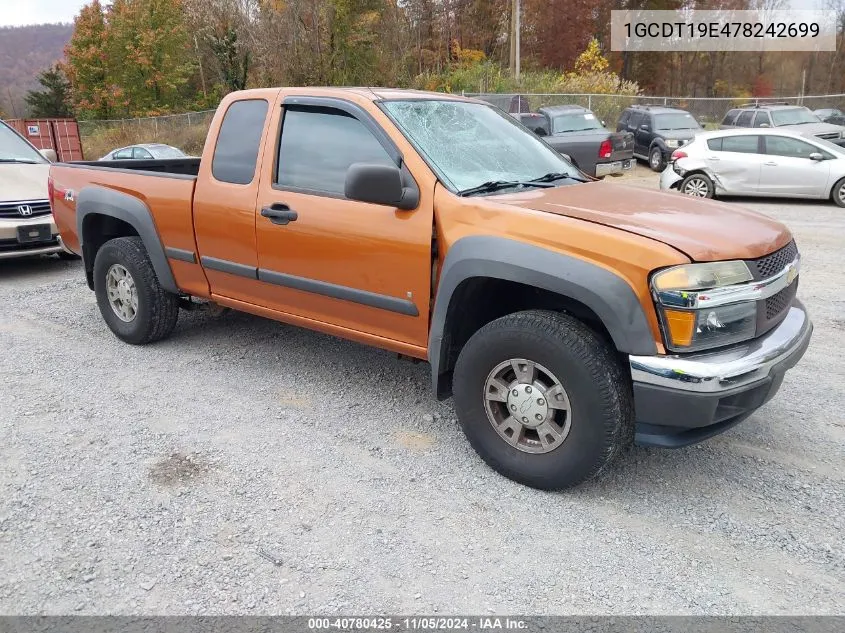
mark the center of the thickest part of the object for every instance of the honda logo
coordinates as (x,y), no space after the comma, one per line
(25,209)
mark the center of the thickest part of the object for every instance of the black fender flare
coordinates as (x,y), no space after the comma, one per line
(608,295)
(94,200)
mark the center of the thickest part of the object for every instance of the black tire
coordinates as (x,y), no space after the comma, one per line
(698,186)
(655,159)
(599,392)
(157,309)
(837,194)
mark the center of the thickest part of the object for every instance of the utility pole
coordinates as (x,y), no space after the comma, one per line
(514,38)
(518,29)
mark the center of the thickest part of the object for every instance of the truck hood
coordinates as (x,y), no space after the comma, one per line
(704,230)
(20,181)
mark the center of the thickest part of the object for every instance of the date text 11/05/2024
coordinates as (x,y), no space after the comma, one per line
(417,624)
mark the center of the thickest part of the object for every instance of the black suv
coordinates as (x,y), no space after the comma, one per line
(658,131)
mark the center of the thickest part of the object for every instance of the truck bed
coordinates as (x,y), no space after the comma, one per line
(173,166)
(165,188)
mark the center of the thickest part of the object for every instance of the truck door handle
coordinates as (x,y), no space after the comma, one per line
(770,164)
(279,213)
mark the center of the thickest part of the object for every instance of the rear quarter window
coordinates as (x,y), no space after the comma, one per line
(744,119)
(714,144)
(730,117)
(236,152)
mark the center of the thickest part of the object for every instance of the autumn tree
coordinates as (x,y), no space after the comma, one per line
(150,48)
(53,100)
(89,68)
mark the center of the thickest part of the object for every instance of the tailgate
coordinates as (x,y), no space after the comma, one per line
(623,146)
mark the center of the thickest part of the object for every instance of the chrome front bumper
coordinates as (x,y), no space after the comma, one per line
(734,367)
(683,399)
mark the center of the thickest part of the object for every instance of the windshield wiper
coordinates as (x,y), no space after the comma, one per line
(497,185)
(24,161)
(552,176)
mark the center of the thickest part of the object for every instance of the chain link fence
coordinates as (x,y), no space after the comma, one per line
(186,131)
(608,107)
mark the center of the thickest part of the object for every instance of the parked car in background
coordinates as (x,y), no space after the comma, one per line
(831,115)
(145,151)
(26,224)
(758,162)
(784,116)
(658,131)
(575,131)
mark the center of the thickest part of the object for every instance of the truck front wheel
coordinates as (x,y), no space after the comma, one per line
(543,399)
(133,303)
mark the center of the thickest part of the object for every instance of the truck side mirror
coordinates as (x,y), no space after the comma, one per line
(49,154)
(379,184)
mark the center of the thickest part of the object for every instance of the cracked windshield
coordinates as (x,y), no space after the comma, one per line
(471,144)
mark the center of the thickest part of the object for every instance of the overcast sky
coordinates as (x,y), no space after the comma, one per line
(38,11)
(41,11)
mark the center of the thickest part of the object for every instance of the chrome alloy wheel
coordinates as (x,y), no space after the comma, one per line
(122,293)
(654,159)
(840,193)
(527,405)
(696,187)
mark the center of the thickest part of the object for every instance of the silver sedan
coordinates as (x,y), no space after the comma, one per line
(757,162)
(144,151)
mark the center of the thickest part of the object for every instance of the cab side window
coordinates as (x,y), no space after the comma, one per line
(318,145)
(236,152)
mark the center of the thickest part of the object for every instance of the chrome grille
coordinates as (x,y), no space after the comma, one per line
(14,209)
(772,264)
(781,301)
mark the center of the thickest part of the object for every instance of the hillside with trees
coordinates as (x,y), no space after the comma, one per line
(24,52)
(135,58)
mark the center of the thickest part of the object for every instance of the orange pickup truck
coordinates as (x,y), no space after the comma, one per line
(569,318)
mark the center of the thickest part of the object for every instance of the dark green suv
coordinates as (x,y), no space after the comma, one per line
(658,131)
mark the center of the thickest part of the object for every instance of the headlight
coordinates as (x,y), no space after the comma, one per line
(671,142)
(694,320)
(701,276)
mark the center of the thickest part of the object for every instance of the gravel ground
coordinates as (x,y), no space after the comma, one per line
(244,466)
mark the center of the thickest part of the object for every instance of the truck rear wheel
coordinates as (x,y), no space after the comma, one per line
(543,399)
(133,303)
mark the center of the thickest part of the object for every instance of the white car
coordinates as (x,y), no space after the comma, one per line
(757,162)
(144,151)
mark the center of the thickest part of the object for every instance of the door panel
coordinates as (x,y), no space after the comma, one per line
(360,266)
(224,200)
(736,162)
(788,171)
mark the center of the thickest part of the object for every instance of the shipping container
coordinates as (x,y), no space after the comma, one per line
(61,135)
